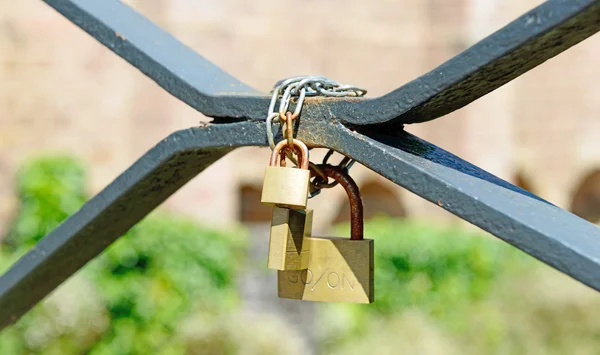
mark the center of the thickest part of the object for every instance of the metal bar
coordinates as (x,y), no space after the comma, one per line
(172,65)
(544,231)
(111,213)
(535,37)
(525,43)
(518,217)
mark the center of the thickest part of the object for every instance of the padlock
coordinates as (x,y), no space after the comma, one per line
(289,244)
(287,187)
(339,269)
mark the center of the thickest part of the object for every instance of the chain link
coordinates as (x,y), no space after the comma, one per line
(318,182)
(301,87)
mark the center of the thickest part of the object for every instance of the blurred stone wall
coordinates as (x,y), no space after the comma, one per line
(61,92)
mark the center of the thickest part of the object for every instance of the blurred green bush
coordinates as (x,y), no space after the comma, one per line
(169,287)
(49,190)
(132,298)
(444,290)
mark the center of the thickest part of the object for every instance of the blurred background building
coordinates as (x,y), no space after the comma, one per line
(63,92)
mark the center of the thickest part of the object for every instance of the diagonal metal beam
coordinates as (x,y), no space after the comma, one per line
(546,232)
(175,67)
(111,213)
(518,217)
(535,37)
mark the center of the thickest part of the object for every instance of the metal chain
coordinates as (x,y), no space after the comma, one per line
(319,182)
(302,86)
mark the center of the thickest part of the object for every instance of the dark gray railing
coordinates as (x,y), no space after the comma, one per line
(367,130)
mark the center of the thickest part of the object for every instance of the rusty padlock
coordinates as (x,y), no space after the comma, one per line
(283,186)
(339,269)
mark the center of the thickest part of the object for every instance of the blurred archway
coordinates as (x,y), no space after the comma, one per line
(378,200)
(523,180)
(586,200)
(250,207)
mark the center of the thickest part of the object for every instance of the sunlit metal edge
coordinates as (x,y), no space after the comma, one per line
(535,37)
(175,67)
(520,218)
(123,203)
(520,46)
(548,233)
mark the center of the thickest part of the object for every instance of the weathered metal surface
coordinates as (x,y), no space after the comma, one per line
(525,43)
(107,216)
(558,238)
(546,232)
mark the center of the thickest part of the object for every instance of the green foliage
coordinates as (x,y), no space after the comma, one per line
(435,268)
(132,298)
(439,270)
(144,258)
(168,287)
(49,190)
(441,290)
(162,270)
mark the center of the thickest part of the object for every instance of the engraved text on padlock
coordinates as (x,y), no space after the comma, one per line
(339,269)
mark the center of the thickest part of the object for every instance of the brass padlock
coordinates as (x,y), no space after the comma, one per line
(287,187)
(289,244)
(339,269)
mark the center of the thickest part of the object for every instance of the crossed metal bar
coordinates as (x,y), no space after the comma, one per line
(367,130)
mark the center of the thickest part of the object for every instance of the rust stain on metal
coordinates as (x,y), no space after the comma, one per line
(356,204)
(313,137)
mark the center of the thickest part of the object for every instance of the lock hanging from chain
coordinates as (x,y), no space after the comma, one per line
(291,224)
(339,269)
(284,186)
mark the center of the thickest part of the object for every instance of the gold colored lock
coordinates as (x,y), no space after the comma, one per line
(287,187)
(289,244)
(339,269)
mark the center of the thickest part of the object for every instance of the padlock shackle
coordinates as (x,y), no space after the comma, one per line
(356,205)
(300,148)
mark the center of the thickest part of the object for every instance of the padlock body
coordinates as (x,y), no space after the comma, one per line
(285,187)
(289,244)
(339,270)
